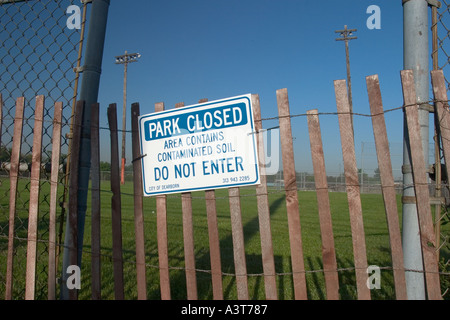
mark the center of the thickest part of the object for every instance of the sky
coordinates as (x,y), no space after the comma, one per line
(216,49)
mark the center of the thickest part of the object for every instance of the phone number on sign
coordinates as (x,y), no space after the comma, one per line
(236,179)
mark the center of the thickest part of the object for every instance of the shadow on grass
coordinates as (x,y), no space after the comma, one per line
(204,281)
(347,281)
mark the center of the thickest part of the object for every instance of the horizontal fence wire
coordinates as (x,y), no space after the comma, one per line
(86,251)
(359,114)
(64,123)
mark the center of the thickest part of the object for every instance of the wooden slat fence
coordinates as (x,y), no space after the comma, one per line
(427,238)
(138,207)
(13,177)
(264,210)
(95,204)
(116,205)
(161,225)
(56,153)
(290,184)
(189,247)
(387,182)
(293,206)
(352,186)
(323,207)
(72,244)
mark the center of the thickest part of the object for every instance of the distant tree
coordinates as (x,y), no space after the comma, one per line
(365,175)
(377,173)
(105,166)
(5,154)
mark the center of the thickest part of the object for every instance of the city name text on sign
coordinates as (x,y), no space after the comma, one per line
(204,146)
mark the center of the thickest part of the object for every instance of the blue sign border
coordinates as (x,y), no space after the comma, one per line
(181,110)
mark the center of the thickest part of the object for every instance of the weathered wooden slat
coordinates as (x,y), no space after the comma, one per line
(161,207)
(116,206)
(13,177)
(188,239)
(56,152)
(95,204)
(427,238)
(443,114)
(387,184)
(442,129)
(263,210)
(72,239)
(138,205)
(214,244)
(290,186)
(237,232)
(34,199)
(161,224)
(352,187)
(323,205)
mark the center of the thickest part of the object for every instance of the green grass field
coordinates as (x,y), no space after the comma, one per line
(377,242)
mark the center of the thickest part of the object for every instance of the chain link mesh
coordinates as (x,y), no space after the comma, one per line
(441,60)
(443,39)
(38,56)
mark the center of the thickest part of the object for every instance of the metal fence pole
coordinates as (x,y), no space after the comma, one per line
(415,57)
(89,93)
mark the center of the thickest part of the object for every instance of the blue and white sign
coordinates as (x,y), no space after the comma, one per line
(204,146)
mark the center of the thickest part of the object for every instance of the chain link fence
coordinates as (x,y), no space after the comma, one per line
(441,38)
(39,56)
(441,60)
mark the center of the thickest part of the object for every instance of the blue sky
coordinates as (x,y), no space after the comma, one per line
(217,49)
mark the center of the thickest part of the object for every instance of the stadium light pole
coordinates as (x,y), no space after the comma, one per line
(125,60)
(347,35)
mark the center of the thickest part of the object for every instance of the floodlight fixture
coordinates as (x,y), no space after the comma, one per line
(127,58)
